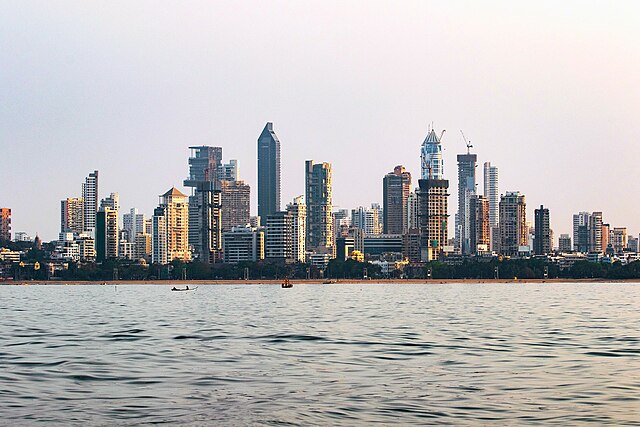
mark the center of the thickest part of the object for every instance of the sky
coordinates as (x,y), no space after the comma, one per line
(547,91)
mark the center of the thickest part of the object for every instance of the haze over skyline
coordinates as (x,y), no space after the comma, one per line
(545,91)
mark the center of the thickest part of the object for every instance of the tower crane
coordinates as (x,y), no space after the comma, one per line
(469,146)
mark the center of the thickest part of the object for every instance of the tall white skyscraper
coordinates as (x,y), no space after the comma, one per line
(90,202)
(298,210)
(466,190)
(133,223)
(431,156)
(491,192)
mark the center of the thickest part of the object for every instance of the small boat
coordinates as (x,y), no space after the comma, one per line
(287,284)
(185,289)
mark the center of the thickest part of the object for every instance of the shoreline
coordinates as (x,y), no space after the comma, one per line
(311,282)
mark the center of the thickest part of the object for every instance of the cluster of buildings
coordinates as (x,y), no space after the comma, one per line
(213,223)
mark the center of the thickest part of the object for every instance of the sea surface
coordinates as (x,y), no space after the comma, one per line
(327,355)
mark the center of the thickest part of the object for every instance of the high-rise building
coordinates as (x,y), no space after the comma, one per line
(606,236)
(491,191)
(5,224)
(542,243)
(205,233)
(618,239)
(595,233)
(71,215)
(229,171)
(431,156)
(236,204)
(90,201)
(204,165)
(480,228)
(466,190)
(396,187)
(319,207)
(367,219)
(564,243)
(513,223)
(112,202)
(433,217)
(632,244)
(171,228)
(268,172)
(107,234)
(133,224)
(580,232)
(143,246)
(412,210)
(298,211)
(279,237)
(243,243)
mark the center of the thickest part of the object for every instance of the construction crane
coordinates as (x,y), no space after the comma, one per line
(469,146)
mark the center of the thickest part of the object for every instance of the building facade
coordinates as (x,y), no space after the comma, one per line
(396,187)
(268,172)
(236,204)
(433,217)
(564,243)
(466,190)
(318,186)
(513,223)
(90,202)
(542,243)
(244,243)
(71,215)
(432,165)
(171,228)
(298,211)
(5,224)
(278,245)
(480,225)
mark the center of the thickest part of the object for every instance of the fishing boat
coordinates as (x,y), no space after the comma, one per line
(286,283)
(182,290)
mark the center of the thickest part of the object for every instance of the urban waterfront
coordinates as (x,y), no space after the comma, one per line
(359,354)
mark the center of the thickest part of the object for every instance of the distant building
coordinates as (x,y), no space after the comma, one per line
(580,232)
(204,165)
(243,244)
(412,210)
(236,204)
(466,190)
(491,192)
(268,172)
(72,215)
(619,239)
(133,224)
(143,246)
(171,228)
(383,244)
(279,237)
(111,202)
(411,245)
(595,232)
(298,211)
(229,171)
(480,224)
(564,243)
(513,223)
(106,234)
(90,201)
(5,224)
(542,243)
(632,244)
(606,237)
(431,157)
(367,219)
(319,207)
(205,233)
(21,236)
(433,217)
(396,187)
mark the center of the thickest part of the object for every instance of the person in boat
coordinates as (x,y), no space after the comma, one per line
(187,287)
(174,289)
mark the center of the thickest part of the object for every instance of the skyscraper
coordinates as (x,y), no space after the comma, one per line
(236,204)
(513,223)
(171,228)
(595,233)
(268,172)
(396,187)
(466,190)
(90,201)
(367,219)
(5,224)
(431,156)
(480,229)
(319,207)
(205,206)
(564,243)
(71,215)
(412,210)
(107,233)
(542,244)
(229,171)
(279,237)
(581,231)
(298,211)
(133,224)
(204,165)
(491,192)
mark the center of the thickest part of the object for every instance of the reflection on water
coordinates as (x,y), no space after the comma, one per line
(321,354)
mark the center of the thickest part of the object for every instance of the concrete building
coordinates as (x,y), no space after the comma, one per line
(367,219)
(412,210)
(480,225)
(204,165)
(111,202)
(298,211)
(319,207)
(243,243)
(433,217)
(171,228)
(268,172)
(542,243)
(466,190)
(279,237)
(580,232)
(133,223)
(606,237)
(229,171)
(432,165)
(396,187)
(564,243)
(632,244)
(513,223)
(205,232)
(107,239)
(595,233)
(5,224)
(619,239)
(21,236)
(90,202)
(72,215)
(236,204)
(143,246)
(491,192)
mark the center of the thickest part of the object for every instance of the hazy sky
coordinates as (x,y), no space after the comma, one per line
(548,91)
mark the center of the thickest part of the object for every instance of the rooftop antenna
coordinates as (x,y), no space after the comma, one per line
(469,146)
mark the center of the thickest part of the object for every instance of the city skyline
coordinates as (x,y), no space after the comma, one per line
(86,99)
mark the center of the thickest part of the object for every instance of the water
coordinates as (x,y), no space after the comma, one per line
(491,354)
